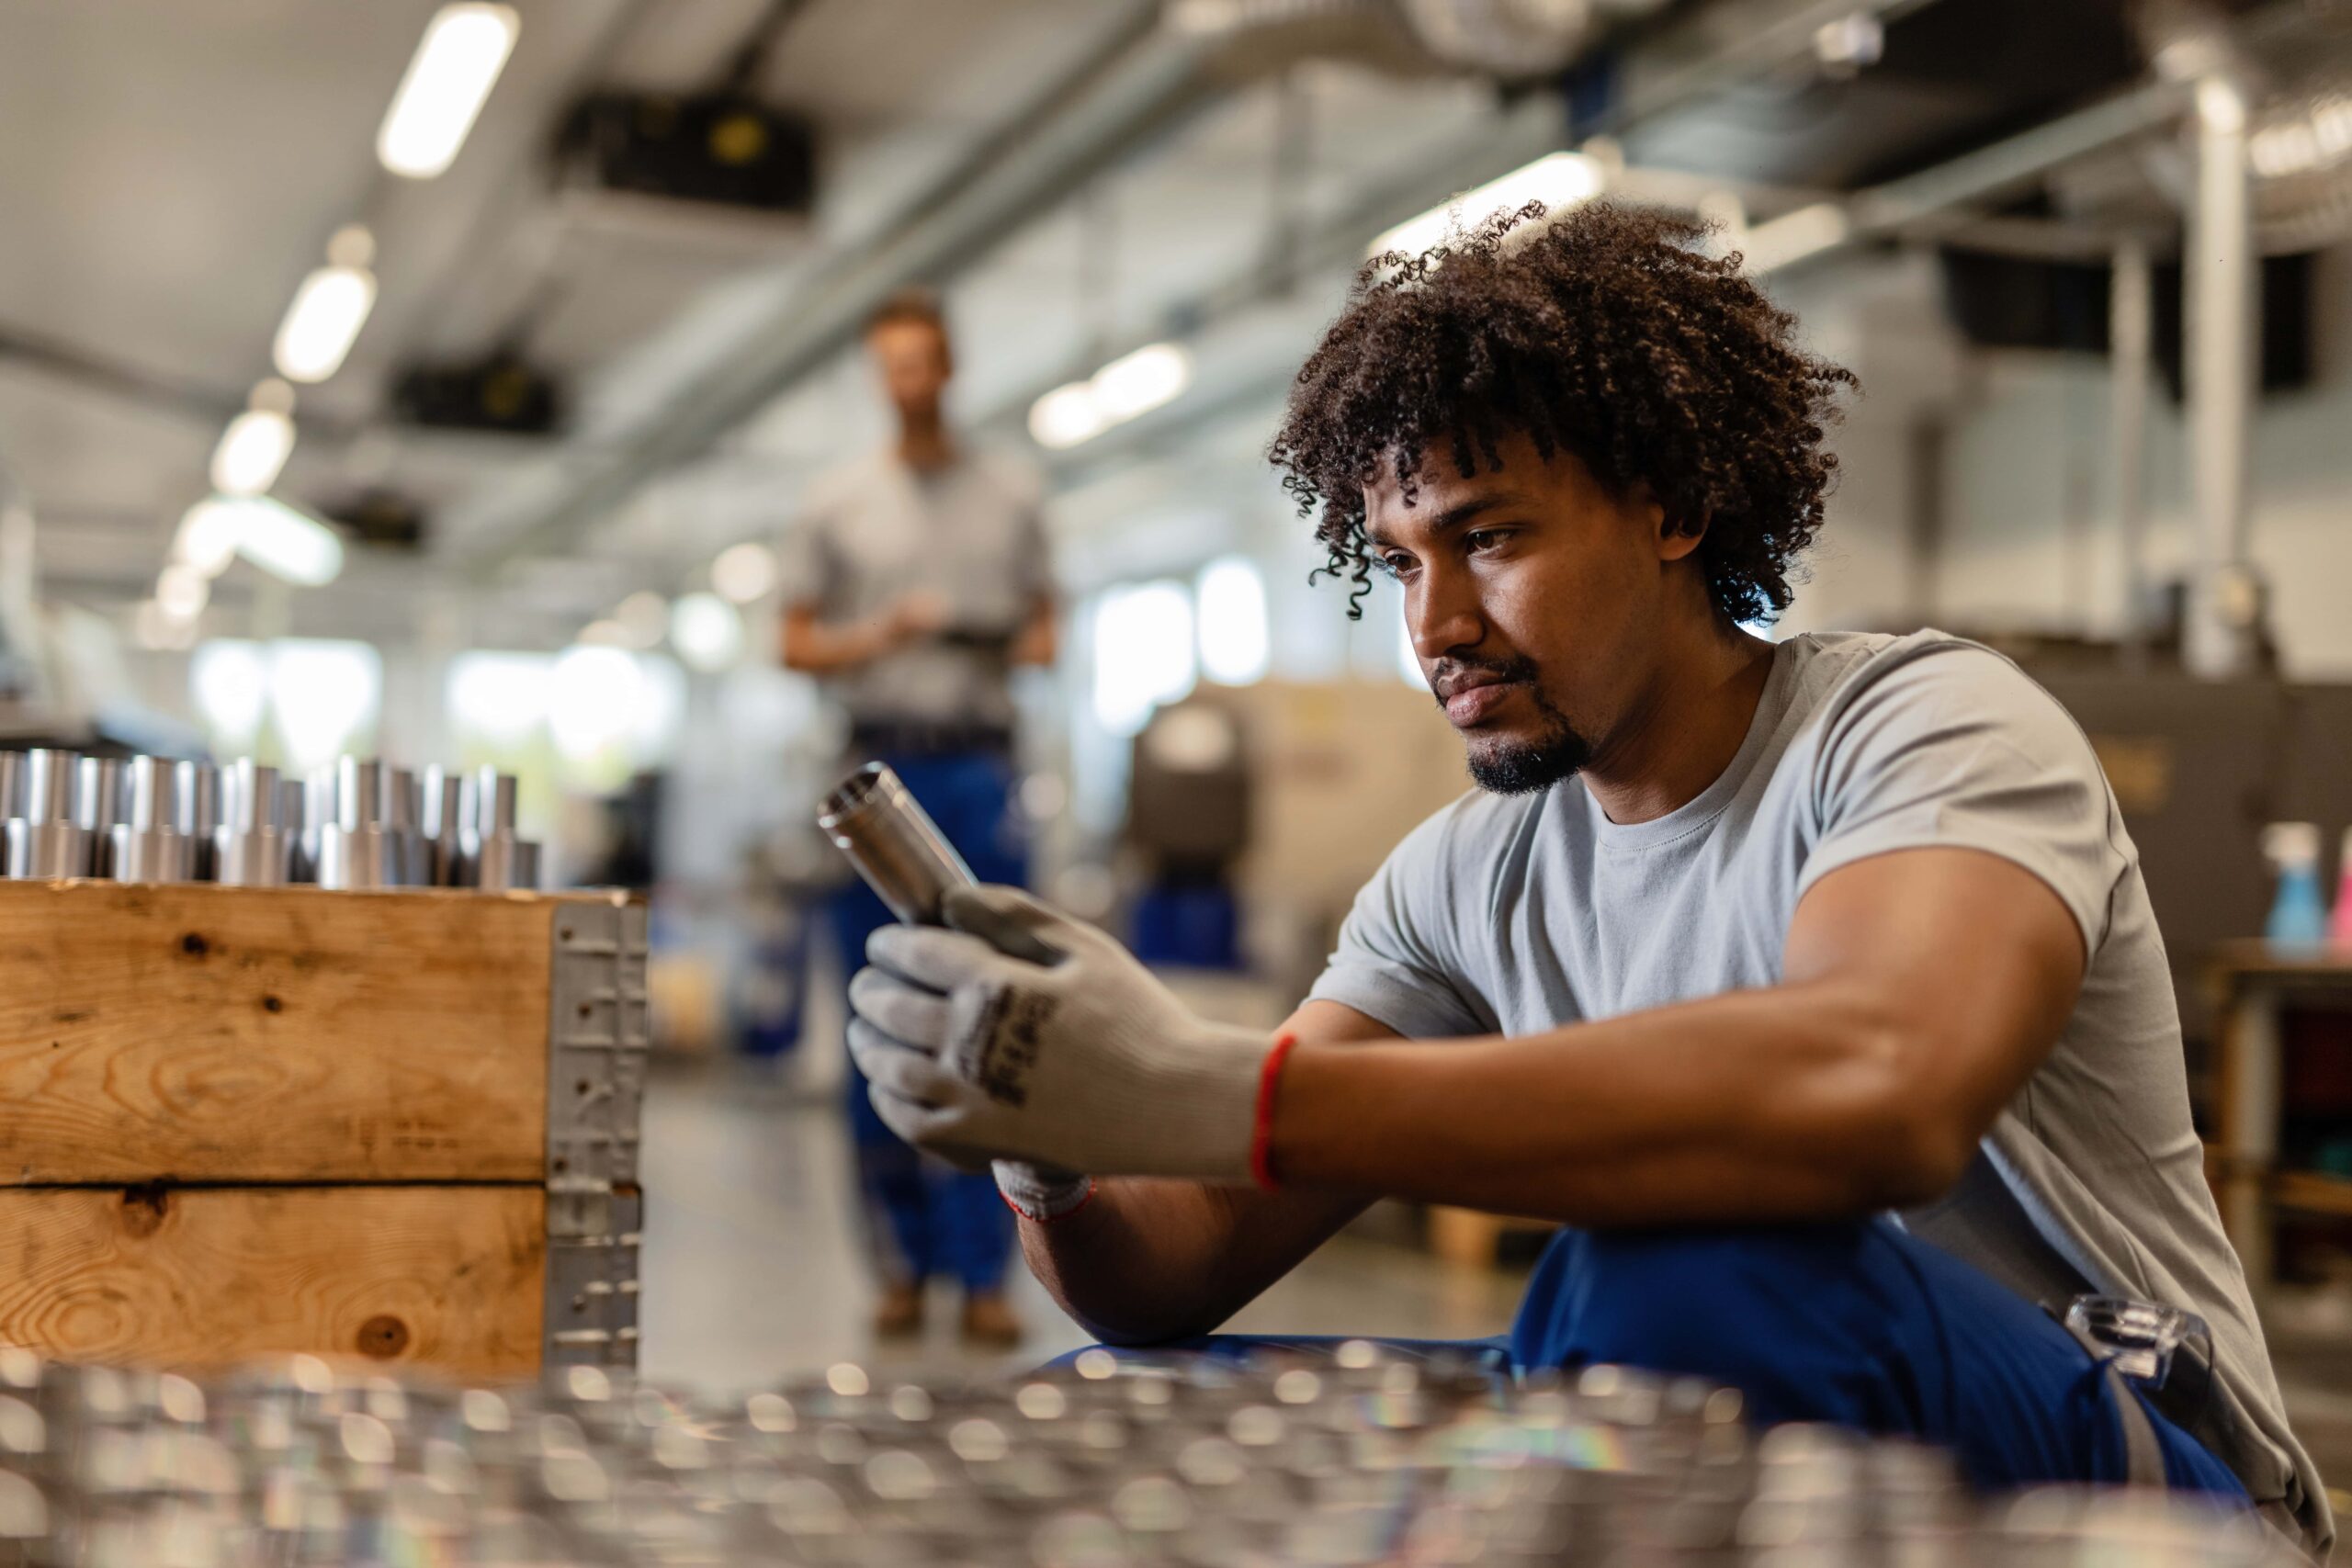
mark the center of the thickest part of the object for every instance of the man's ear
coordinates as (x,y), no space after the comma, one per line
(1676,536)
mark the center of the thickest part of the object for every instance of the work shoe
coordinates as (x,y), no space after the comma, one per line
(987,1321)
(900,1312)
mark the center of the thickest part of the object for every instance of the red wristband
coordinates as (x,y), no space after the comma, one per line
(1262,1133)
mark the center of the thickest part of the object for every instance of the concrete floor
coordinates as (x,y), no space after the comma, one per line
(753,1271)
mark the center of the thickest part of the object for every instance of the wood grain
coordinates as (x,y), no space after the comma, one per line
(246,1034)
(450,1278)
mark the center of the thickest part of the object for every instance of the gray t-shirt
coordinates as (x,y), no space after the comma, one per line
(1516,915)
(971,532)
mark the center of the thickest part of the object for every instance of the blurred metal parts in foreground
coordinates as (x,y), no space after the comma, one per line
(359,825)
(1357,1457)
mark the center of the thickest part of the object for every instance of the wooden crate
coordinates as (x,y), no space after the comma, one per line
(393,1126)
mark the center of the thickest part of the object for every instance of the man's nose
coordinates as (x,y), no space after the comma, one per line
(1441,616)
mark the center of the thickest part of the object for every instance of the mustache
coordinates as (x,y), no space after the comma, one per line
(1517,669)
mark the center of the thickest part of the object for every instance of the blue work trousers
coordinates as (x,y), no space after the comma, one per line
(922,1216)
(1862,1324)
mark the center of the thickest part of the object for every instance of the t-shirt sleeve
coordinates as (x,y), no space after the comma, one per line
(807,567)
(1033,549)
(1955,747)
(1394,964)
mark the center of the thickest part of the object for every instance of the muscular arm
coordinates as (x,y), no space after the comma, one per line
(1148,1260)
(816,647)
(1921,989)
(1039,641)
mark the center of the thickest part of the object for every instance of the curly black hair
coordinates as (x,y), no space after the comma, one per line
(1605,331)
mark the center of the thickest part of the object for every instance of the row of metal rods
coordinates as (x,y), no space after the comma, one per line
(359,824)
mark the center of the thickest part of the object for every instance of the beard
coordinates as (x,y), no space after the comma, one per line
(1525,766)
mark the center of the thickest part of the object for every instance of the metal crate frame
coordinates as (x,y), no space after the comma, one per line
(598,1040)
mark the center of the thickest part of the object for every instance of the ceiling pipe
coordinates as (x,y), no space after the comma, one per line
(1707,51)
(1148,78)
(1150,75)
(1933,203)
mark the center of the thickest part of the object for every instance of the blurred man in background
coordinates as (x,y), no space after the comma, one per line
(916,580)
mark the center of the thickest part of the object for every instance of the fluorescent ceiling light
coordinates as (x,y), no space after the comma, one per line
(252,452)
(1139,382)
(159,633)
(324,321)
(1133,384)
(1793,236)
(181,593)
(1558,180)
(1066,416)
(206,539)
(464,48)
(288,543)
(744,572)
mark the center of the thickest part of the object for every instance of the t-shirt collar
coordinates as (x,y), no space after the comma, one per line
(1709,802)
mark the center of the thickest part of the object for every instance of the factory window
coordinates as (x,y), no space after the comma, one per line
(1233,631)
(498,699)
(299,702)
(1143,653)
(603,713)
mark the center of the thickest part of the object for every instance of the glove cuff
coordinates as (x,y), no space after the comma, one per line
(1036,1192)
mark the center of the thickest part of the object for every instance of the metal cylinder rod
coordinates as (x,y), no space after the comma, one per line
(2223,293)
(2129,334)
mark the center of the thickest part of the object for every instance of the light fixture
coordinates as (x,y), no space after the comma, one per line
(1066,416)
(206,541)
(1138,383)
(288,543)
(255,447)
(1131,385)
(1558,180)
(328,310)
(707,631)
(744,572)
(159,633)
(181,593)
(457,63)
(1793,236)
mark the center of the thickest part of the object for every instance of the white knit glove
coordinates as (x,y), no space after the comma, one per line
(1091,1064)
(1039,1191)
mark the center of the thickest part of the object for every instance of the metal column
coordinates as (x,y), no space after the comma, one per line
(2223,286)
(2129,329)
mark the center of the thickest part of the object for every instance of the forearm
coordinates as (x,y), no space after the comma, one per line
(1135,1265)
(822,648)
(1795,1102)
(1039,642)
(1146,1260)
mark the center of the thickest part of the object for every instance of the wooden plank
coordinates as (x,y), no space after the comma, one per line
(450,1278)
(288,1034)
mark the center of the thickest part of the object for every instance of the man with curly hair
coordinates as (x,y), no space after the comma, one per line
(1812,985)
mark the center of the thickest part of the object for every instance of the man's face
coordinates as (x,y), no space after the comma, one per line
(913,360)
(1534,599)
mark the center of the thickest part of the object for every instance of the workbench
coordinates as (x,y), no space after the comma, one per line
(2254,985)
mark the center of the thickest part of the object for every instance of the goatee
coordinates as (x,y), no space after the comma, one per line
(1523,767)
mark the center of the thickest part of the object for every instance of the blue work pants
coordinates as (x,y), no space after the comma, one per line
(922,1216)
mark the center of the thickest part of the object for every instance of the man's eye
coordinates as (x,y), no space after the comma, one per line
(1396,564)
(1480,539)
